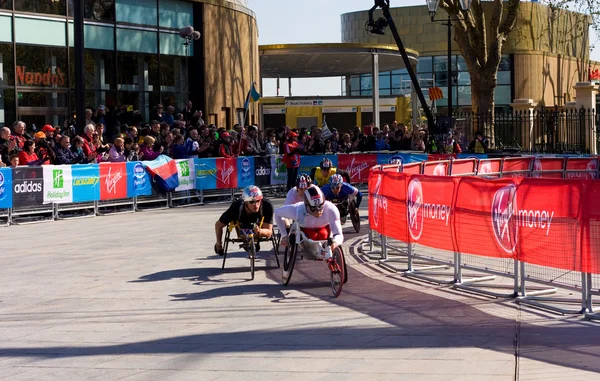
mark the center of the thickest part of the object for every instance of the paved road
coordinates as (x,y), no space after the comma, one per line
(142,297)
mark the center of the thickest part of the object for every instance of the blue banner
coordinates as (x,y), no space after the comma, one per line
(138,180)
(245,171)
(472,156)
(405,158)
(5,188)
(307,163)
(206,173)
(86,182)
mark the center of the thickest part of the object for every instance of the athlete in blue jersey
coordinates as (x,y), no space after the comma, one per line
(339,193)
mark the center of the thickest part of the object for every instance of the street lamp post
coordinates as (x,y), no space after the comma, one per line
(433,5)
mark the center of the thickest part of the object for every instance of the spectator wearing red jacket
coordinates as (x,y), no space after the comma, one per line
(28,156)
(291,158)
(225,149)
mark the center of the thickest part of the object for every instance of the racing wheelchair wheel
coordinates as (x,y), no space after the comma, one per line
(355,217)
(338,271)
(225,246)
(275,249)
(252,255)
(289,259)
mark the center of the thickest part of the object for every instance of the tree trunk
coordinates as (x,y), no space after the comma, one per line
(483,84)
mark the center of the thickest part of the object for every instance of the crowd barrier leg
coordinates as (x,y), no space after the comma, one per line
(539,297)
(372,252)
(469,284)
(420,272)
(5,216)
(593,288)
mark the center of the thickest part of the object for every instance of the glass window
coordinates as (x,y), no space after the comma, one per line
(424,65)
(96,37)
(42,32)
(504,77)
(401,71)
(7,70)
(355,84)
(175,14)
(504,63)
(461,65)
(137,72)
(385,92)
(464,95)
(98,10)
(42,99)
(99,69)
(7,106)
(464,79)
(41,66)
(440,63)
(384,81)
(173,78)
(355,93)
(136,12)
(172,44)
(365,83)
(5,28)
(6,4)
(425,80)
(444,101)
(136,41)
(502,95)
(41,6)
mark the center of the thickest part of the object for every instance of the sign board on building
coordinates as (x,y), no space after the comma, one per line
(267,111)
(304,103)
(381,109)
(337,110)
(49,78)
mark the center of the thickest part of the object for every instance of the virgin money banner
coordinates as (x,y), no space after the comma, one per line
(484,217)
(548,167)
(392,206)
(429,204)
(138,180)
(278,171)
(357,166)
(206,173)
(58,184)
(590,256)
(262,171)
(226,173)
(28,186)
(307,163)
(113,181)
(376,216)
(245,171)
(5,188)
(186,174)
(548,222)
(582,168)
(86,182)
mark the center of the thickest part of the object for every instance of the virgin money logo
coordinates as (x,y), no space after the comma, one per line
(375,200)
(485,168)
(356,170)
(112,180)
(414,201)
(439,170)
(504,217)
(592,166)
(226,173)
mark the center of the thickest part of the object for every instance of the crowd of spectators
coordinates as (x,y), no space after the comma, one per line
(119,135)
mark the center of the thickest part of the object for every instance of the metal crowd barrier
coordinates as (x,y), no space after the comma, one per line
(529,284)
(5,217)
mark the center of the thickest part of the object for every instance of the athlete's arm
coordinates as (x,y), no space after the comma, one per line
(289,198)
(352,191)
(283,213)
(336,226)
(228,216)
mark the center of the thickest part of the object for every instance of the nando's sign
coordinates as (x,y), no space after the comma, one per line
(32,78)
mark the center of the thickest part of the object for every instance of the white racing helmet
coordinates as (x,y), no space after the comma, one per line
(252,193)
(314,199)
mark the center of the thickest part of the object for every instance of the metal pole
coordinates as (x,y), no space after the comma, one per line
(290,86)
(450,100)
(375,82)
(79,62)
(386,13)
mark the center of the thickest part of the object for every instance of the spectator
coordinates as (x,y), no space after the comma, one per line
(479,144)
(132,149)
(20,134)
(64,154)
(89,150)
(157,115)
(155,132)
(225,147)
(133,133)
(43,151)
(78,149)
(89,116)
(187,112)
(272,145)
(335,141)
(192,145)
(250,145)
(169,116)
(179,148)
(117,153)
(146,150)
(14,160)
(49,131)
(381,143)
(28,155)
(291,158)
(8,145)
(346,146)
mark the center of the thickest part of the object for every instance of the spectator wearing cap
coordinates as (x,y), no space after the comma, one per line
(49,131)
(291,158)
(225,149)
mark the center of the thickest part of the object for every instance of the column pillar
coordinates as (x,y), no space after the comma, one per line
(585,97)
(524,108)
(375,85)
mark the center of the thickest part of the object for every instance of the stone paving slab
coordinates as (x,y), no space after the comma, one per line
(142,296)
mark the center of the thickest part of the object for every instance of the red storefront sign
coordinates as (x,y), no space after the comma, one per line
(113,181)
(32,78)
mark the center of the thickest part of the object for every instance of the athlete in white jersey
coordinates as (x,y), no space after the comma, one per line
(296,194)
(319,219)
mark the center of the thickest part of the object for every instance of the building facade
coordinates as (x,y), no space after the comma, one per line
(546,54)
(134,58)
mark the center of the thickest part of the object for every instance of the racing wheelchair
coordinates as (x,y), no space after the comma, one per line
(248,242)
(298,240)
(348,208)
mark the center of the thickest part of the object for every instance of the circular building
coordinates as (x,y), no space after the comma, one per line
(135,58)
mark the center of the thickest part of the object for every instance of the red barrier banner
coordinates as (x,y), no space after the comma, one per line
(357,166)
(590,256)
(441,156)
(226,173)
(113,181)
(582,168)
(462,167)
(393,206)
(429,204)
(412,168)
(548,167)
(489,167)
(548,222)
(484,217)
(375,203)
(436,168)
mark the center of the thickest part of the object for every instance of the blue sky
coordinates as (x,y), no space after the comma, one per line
(306,21)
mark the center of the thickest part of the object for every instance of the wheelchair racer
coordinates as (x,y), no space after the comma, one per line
(341,193)
(318,218)
(296,194)
(248,211)
(325,170)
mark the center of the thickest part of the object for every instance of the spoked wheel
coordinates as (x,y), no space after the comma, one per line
(276,249)
(355,217)
(289,259)
(225,246)
(252,254)
(338,271)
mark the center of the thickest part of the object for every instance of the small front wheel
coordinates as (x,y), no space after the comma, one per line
(355,217)
(252,253)
(338,271)
(289,259)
